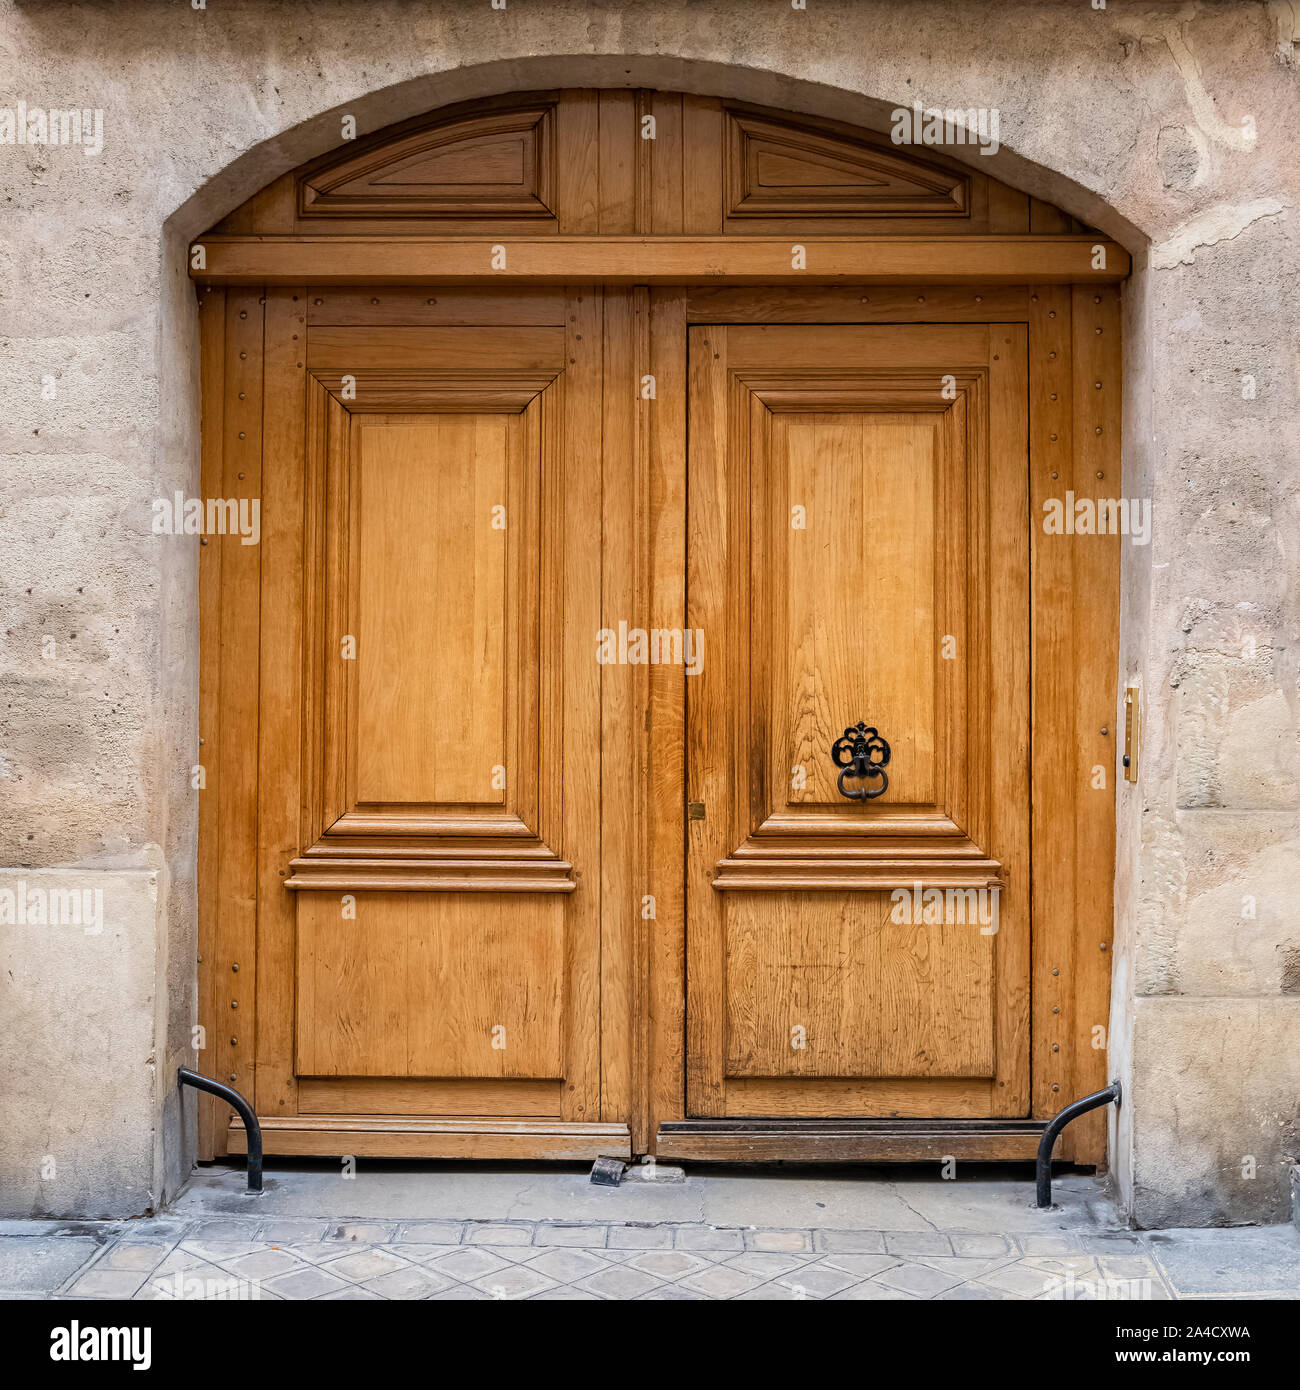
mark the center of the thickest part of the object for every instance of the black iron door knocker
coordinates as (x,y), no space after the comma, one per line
(862,753)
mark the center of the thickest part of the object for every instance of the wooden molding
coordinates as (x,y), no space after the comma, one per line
(443,873)
(493,164)
(832,875)
(787,168)
(848,1141)
(400,1136)
(866,260)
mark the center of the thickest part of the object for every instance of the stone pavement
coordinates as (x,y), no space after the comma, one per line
(972,1239)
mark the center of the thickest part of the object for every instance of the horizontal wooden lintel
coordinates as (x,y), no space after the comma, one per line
(936,260)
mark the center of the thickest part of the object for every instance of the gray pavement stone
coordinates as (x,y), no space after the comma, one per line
(430,1233)
(707,1238)
(285,1230)
(492,1234)
(817,1280)
(869,1292)
(850,1242)
(467,1264)
(982,1245)
(667,1264)
(995,1247)
(720,1281)
(364,1265)
(308,1282)
(42,1263)
(515,1281)
(619,1282)
(918,1243)
(639,1238)
(365,1232)
(567,1266)
(411,1282)
(107,1283)
(1261,1259)
(141,1255)
(550,1233)
(778,1240)
(917,1279)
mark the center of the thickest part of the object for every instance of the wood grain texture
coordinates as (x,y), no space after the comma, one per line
(793,491)
(449,267)
(212,348)
(430,985)
(645,260)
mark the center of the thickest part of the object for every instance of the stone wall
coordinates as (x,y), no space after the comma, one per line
(1169,126)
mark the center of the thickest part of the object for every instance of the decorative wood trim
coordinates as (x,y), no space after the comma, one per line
(441,875)
(379,180)
(866,260)
(770,163)
(868,875)
(212,347)
(281,737)
(848,1141)
(400,1136)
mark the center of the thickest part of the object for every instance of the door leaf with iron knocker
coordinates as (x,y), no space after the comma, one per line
(862,753)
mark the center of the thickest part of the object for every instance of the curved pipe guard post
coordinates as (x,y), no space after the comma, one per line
(1043,1169)
(186,1077)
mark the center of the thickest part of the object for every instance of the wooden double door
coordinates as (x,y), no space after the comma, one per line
(568,606)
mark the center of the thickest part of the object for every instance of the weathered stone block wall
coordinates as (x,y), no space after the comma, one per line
(1170,126)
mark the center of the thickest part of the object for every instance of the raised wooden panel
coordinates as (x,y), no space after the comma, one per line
(855,477)
(777,167)
(430,985)
(499,163)
(869,997)
(354,1095)
(431,662)
(858,551)
(857,587)
(438,468)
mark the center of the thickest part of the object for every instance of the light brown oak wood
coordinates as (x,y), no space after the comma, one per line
(471,828)
(750,260)
(857,551)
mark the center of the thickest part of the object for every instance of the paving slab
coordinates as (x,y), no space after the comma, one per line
(1247,1260)
(40,1264)
(444,1233)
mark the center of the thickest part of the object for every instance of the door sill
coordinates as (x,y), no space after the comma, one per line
(849,1141)
(406,1137)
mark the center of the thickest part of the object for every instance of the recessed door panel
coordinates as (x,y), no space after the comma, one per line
(432,635)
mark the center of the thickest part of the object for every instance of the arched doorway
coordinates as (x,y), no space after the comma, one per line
(618,453)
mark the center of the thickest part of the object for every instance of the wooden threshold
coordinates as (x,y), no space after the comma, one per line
(849,1141)
(935,260)
(404,1137)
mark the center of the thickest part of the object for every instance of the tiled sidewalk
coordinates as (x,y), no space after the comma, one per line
(284,1257)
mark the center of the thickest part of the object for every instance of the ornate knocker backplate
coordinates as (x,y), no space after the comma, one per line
(862,753)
